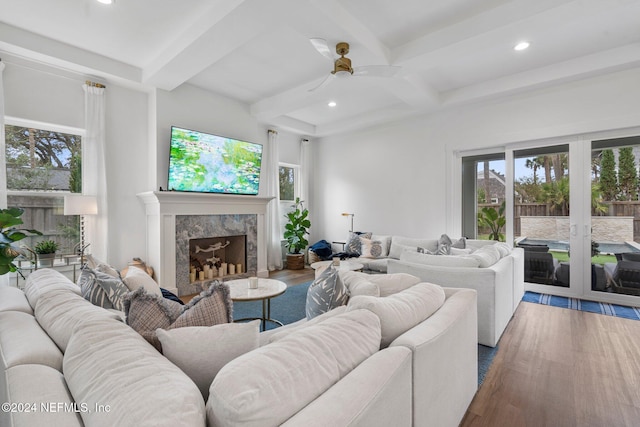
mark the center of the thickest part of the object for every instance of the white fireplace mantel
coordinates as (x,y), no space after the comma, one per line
(162,207)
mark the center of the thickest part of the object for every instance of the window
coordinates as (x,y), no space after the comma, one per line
(483,196)
(288,182)
(44,162)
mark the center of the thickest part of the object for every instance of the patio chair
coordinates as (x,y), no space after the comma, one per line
(626,278)
(539,267)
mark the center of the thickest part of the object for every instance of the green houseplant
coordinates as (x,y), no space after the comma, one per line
(46,247)
(296,230)
(9,219)
(493,219)
(46,251)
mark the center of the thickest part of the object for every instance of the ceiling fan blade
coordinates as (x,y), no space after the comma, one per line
(325,82)
(322,47)
(376,70)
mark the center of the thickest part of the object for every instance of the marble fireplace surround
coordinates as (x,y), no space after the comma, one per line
(162,211)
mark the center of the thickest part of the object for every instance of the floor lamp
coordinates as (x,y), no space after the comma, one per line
(351,215)
(79,204)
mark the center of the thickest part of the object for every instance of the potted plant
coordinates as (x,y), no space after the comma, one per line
(295,234)
(46,250)
(9,218)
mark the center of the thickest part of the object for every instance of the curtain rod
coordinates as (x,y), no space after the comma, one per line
(273,131)
(98,85)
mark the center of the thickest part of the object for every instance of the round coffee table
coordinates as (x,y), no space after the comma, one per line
(267,289)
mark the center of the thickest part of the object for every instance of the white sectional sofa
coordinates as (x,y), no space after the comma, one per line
(57,347)
(500,286)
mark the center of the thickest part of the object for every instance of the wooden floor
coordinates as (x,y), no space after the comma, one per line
(561,367)
(293,277)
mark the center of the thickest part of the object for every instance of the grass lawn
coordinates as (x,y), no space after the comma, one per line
(598,259)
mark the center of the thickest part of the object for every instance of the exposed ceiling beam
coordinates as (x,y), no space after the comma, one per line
(488,28)
(293,125)
(362,121)
(360,34)
(218,33)
(612,60)
(44,50)
(412,90)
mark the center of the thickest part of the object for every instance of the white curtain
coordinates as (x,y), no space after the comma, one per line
(305,171)
(272,181)
(3,151)
(94,182)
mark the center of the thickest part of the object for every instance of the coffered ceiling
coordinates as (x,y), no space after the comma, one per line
(451,52)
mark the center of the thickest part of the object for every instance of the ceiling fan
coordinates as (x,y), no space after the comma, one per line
(342,64)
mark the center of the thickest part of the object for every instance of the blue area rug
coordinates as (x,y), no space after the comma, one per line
(287,308)
(290,307)
(583,305)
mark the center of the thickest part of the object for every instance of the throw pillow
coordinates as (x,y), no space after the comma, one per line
(386,243)
(325,293)
(444,245)
(402,311)
(370,248)
(456,251)
(503,248)
(146,313)
(210,348)
(138,278)
(461,243)
(269,385)
(396,249)
(102,289)
(486,256)
(440,261)
(353,245)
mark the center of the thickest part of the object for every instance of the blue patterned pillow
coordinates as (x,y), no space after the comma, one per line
(102,289)
(354,246)
(326,293)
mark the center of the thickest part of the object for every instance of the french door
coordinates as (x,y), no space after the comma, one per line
(576,211)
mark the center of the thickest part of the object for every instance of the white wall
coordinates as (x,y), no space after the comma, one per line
(192,108)
(395,178)
(37,93)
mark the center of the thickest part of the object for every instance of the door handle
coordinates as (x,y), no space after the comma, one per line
(587,231)
(573,230)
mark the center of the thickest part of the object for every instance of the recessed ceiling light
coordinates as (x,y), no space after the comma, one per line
(106,1)
(332,104)
(521,46)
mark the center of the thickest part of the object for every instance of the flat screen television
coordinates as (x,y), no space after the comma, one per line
(207,163)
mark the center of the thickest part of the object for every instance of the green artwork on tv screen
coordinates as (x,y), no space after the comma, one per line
(207,163)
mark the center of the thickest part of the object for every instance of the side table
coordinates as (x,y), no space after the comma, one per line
(267,289)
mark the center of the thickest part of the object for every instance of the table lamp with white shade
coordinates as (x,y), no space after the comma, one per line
(80,204)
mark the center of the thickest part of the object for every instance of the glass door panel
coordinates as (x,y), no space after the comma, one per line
(483,197)
(541,213)
(615,216)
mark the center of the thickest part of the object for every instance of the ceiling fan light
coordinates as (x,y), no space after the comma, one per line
(342,74)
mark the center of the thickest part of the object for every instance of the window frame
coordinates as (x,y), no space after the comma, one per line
(296,180)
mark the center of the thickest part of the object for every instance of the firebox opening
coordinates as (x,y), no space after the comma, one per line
(215,257)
